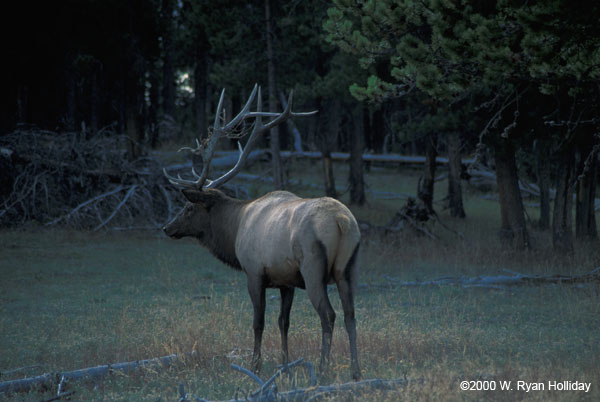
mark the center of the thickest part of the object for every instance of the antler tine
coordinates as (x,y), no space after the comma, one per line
(242,114)
(217,124)
(210,148)
(257,130)
(287,112)
(284,115)
(178,181)
(199,148)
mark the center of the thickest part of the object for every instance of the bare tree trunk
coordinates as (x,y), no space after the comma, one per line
(357,183)
(132,131)
(585,219)
(274,134)
(22,103)
(134,73)
(454,172)
(562,232)
(425,190)
(134,118)
(94,102)
(377,129)
(543,176)
(71,95)
(154,105)
(200,73)
(513,230)
(328,175)
(327,136)
(168,59)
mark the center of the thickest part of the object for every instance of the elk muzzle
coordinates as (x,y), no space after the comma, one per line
(172,229)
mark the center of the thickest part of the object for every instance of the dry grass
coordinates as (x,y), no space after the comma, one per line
(70,300)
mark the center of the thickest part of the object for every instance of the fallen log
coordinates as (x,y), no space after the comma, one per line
(502,281)
(50,380)
(344,156)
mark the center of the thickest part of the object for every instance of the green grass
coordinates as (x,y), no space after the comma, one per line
(71,300)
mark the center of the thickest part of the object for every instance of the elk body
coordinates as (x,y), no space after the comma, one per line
(278,240)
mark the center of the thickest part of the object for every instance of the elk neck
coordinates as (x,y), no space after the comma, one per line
(225,220)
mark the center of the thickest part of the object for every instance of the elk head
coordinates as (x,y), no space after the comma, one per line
(194,220)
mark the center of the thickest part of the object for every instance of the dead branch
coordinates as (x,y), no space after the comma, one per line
(248,373)
(85,204)
(268,392)
(114,212)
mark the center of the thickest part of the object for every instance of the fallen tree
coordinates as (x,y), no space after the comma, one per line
(396,159)
(52,380)
(503,281)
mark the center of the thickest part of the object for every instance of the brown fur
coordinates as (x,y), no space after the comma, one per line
(281,241)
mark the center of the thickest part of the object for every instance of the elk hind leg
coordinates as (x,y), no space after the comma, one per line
(315,274)
(347,297)
(345,286)
(287,297)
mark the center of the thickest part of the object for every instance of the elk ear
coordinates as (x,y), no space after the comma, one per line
(207,198)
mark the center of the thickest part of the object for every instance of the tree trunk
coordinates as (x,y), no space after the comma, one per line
(562,232)
(71,95)
(200,73)
(22,103)
(132,131)
(543,176)
(513,230)
(274,134)
(377,130)
(425,189)
(154,106)
(94,102)
(585,219)
(328,175)
(357,183)
(134,118)
(134,72)
(168,59)
(455,202)
(327,136)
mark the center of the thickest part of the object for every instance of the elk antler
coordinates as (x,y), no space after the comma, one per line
(229,130)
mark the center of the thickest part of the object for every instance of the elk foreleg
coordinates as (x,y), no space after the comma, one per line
(256,289)
(287,297)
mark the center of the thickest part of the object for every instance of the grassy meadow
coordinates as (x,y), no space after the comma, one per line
(75,299)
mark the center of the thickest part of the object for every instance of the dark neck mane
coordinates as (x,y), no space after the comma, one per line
(225,220)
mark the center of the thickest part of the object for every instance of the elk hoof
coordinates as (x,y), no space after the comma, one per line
(256,364)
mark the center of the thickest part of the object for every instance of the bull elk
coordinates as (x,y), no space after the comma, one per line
(278,240)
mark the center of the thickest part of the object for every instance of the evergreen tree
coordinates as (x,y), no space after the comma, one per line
(500,52)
